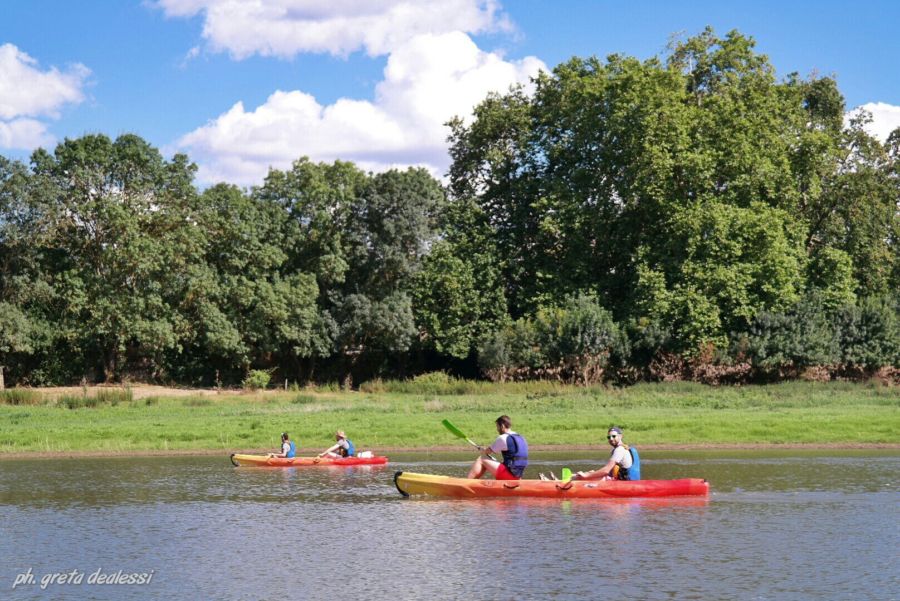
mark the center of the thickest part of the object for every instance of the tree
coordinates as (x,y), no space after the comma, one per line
(116,245)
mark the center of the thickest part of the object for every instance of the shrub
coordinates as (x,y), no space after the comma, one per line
(802,337)
(572,343)
(869,334)
(257,379)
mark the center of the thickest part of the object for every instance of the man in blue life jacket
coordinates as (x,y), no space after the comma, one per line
(344,447)
(514,450)
(288,448)
(623,461)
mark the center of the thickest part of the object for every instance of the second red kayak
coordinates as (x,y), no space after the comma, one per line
(409,483)
(266,461)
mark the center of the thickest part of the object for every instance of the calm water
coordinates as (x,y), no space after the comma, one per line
(777,526)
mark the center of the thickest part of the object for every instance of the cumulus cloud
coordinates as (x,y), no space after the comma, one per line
(885,118)
(284,28)
(27,93)
(427,80)
(25,134)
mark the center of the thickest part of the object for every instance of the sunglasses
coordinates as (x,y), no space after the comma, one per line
(611,436)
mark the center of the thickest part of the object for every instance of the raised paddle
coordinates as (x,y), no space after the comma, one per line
(459,434)
(566,474)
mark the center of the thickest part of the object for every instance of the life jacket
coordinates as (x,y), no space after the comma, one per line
(515,457)
(293,450)
(629,473)
(350,451)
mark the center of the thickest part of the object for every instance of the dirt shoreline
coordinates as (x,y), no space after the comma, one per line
(444,449)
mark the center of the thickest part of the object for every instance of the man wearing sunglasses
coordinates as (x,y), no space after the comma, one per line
(620,462)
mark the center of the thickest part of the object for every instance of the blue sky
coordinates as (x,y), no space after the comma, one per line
(241,87)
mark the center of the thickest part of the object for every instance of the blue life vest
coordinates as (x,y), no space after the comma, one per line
(633,472)
(293,450)
(515,457)
(350,451)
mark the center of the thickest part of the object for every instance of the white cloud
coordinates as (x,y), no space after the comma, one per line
(284,28)
(26,93)
(427,80)
(24,133)
(885,118)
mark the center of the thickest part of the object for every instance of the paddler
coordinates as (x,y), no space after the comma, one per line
(288,448)
(344,447)
(621,464)
(514,450)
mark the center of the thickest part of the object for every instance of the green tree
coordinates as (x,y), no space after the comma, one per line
(117,245)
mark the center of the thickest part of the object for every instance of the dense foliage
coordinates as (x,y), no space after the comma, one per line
(692,217)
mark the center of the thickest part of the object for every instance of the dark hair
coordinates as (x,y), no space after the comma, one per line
(284,436)
(504,421)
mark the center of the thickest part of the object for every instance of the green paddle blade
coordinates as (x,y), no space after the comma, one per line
(456,431)
(566,474)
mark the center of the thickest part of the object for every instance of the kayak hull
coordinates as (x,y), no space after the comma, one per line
(409,483)
(266,461)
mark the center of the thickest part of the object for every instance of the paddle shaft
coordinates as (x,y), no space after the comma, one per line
(459,434)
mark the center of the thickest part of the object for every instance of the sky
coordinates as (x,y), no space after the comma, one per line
(242,86)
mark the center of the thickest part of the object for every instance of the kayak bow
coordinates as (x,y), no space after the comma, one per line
(409,483)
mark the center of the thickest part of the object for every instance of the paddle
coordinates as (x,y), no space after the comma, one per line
(459,434)
(566,474)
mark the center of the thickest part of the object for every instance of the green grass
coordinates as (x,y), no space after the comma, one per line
(391,415)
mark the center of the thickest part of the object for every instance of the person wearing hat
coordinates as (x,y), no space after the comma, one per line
(619,464)
(288,448)
(342,448)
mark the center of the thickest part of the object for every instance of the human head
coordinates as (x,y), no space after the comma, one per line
(503,423)
(284,436)
(614,435)
(339,435)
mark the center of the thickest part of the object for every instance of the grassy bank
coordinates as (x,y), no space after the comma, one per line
(391,415)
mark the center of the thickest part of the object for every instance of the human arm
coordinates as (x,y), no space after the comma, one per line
(598,474)
(285,447)
(330,449)
(498,446)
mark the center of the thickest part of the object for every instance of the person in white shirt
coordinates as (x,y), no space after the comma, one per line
(619,459)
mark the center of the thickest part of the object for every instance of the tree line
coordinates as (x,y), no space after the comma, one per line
(690,216)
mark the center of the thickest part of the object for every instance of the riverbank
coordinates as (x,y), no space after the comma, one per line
(553,417)
(813,447)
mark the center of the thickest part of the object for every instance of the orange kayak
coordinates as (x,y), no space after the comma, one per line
(409,483)
(266,461)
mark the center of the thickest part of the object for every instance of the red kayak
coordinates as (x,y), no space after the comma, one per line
(409,483)
(266,461)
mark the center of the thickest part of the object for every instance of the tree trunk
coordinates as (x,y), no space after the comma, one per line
(109,366)
(2,384)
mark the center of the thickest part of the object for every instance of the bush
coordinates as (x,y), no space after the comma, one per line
(572,343)
(802,337)
(869,334)
(257,379)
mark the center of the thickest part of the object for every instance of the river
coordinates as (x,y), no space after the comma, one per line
(778,525)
